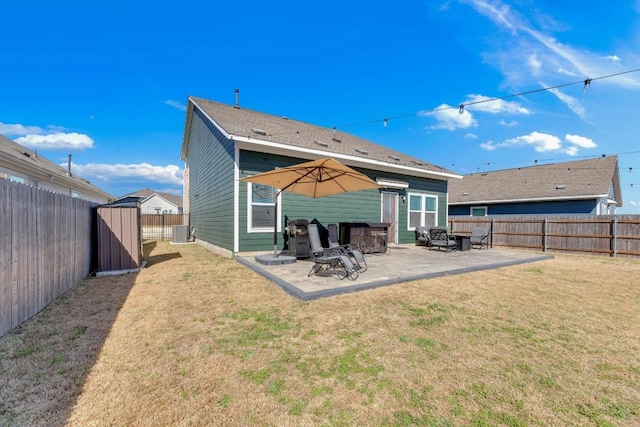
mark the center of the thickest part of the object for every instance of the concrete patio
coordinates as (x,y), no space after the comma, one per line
(401,263)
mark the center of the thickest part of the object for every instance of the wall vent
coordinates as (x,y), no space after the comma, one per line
(361,151)
(259,131)
(322,144)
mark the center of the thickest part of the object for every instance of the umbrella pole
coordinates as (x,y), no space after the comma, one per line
(275,228)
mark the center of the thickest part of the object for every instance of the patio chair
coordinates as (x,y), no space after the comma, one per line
(330,259)
(480,237)
(440,238)
(352,249)
(422,236)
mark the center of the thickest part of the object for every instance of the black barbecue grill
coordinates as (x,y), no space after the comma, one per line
(299,238)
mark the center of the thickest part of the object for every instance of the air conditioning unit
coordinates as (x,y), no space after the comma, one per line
(179,234)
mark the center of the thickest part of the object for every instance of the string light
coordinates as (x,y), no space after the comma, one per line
(461,107)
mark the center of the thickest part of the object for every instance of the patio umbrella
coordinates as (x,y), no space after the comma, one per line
(318,178)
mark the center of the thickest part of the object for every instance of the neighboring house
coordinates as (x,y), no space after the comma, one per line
(579,187)
(223,143)
(20,164)
(153,202)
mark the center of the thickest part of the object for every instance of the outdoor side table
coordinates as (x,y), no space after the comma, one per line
(463,243)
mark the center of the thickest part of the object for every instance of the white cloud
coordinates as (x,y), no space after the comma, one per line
(176,104)
(489,146)
(580,141)
(18,129)
(534,64)
(57,141)
(471,136)
(510,124)
(532,43)
(633,203)
(571,102)
(107,173)
(494,106)
(567,72)
(571,151)
(541,142)
(499,13)
(449,118)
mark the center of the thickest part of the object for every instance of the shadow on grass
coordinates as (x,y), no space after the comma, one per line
(157,259)
(57,348)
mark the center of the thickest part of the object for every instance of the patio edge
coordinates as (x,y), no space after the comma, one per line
(310,296)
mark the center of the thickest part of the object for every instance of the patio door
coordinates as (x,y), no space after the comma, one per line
(390,215)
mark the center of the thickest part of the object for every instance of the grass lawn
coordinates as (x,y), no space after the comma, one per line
(196,339)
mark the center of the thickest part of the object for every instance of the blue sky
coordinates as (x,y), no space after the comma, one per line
(108,82)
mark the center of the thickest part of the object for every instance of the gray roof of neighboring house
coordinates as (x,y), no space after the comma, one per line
(579,179)
(282,135)
(30,163)
(147,192)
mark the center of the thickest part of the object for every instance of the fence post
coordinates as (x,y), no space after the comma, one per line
(545,231)
(491,232)
(614,240)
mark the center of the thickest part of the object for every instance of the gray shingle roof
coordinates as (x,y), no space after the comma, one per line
(147,192)
(570,180)
(249,125)
(21,159)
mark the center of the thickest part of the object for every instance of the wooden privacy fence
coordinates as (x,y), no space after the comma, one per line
(45,249)
(612,235)
(159,226)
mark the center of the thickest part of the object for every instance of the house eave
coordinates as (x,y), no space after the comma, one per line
(78,184)
(262,146)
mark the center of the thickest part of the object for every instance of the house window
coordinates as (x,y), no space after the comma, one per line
(478,211)
(423,211)
(261,207)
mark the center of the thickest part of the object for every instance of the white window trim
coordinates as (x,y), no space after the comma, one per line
(422,211)
(250,228)
(486,210)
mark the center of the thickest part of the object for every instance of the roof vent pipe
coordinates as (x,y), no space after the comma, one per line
(69,165)
(237,98)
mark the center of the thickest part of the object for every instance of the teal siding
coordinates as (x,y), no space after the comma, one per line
(428,186)
(211,166)
(356,206)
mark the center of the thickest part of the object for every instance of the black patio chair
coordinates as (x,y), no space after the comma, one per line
(352,249)
(480,237)
(422,236)
(330,259)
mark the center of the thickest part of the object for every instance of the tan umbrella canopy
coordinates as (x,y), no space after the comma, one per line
(318,178)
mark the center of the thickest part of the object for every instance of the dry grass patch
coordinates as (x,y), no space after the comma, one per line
(198,339)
